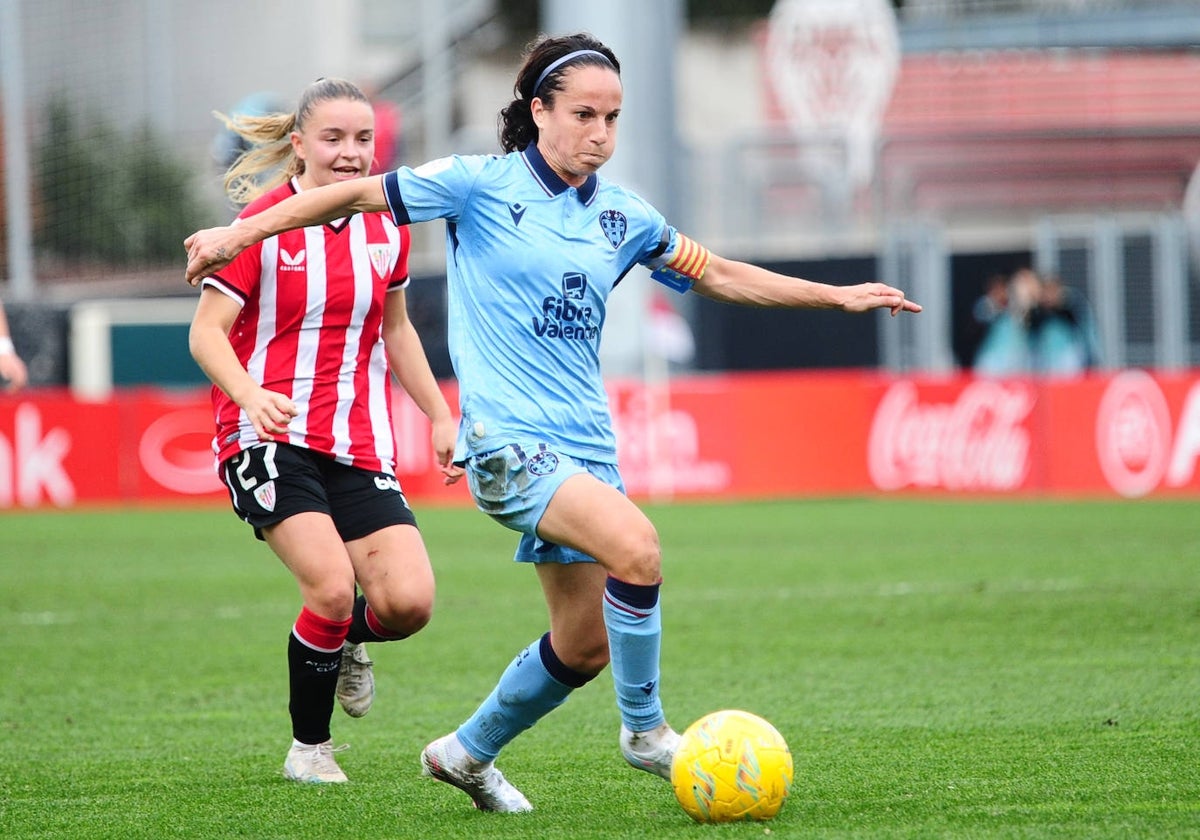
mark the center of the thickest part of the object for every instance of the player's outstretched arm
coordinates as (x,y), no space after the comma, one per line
(731,281)
(212,249)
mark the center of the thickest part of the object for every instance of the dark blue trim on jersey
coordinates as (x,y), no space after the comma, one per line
(551,183)
(395,202)
(621,276)
(663,241)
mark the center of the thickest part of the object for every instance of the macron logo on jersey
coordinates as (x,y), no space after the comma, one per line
(290,262)
(517,212)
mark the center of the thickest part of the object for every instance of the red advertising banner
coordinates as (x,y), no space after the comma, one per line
(1130,433)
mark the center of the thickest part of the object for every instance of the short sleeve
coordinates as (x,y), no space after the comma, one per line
(241,277)
(435,190)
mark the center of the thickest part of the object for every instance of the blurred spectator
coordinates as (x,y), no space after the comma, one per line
(229,145)
(1062,331)
(1005,350)
(670,335)
(990,306)
(1034,326)
(387,135)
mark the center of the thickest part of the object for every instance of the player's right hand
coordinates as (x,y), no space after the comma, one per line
(269,411)
(209,251)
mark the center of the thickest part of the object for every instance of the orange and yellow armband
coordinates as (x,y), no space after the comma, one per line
(685,267)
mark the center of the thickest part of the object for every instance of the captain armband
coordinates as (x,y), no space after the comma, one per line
(685,267)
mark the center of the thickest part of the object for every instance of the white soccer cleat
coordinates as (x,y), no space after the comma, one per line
(447,761)
(314,763)
(651,750)
(356,680)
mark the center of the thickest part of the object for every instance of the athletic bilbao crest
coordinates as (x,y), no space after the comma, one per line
(381,258)
(614,225)
(264,494)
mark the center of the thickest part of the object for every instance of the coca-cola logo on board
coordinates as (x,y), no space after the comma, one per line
(980,441)
(1133,433)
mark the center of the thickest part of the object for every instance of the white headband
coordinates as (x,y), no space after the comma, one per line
(558,62)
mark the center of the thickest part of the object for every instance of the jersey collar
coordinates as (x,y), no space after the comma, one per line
(548,178)
(335,224)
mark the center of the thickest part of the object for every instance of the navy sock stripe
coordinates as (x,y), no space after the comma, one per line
(639,597)
(555,667)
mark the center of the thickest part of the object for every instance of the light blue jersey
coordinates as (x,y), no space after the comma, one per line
(530,264)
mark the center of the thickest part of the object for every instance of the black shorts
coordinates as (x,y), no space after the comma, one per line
(272,481)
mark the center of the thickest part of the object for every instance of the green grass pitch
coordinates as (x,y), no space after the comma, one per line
(941,669)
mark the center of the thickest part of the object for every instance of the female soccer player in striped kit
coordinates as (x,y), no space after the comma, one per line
(298,335)
(536,241)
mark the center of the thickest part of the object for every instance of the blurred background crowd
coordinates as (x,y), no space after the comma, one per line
(1032,324)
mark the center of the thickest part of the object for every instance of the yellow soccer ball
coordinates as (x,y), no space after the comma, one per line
(731,765)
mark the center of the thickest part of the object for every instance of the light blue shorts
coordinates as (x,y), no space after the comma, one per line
(514,485)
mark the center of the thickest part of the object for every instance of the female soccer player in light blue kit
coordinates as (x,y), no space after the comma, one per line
(536,241)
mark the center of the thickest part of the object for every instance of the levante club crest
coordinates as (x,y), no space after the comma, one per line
(614,225)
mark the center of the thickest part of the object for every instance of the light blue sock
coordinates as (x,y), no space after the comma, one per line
(634,623)
(525,693)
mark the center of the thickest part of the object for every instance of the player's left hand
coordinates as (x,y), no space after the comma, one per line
(445,435)
(451,473)
(867,296)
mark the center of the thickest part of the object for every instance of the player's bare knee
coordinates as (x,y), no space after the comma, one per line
(331,601)
(415,617)
(404,616)
(640,560)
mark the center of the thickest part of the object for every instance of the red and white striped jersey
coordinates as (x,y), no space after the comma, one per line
(310,328)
